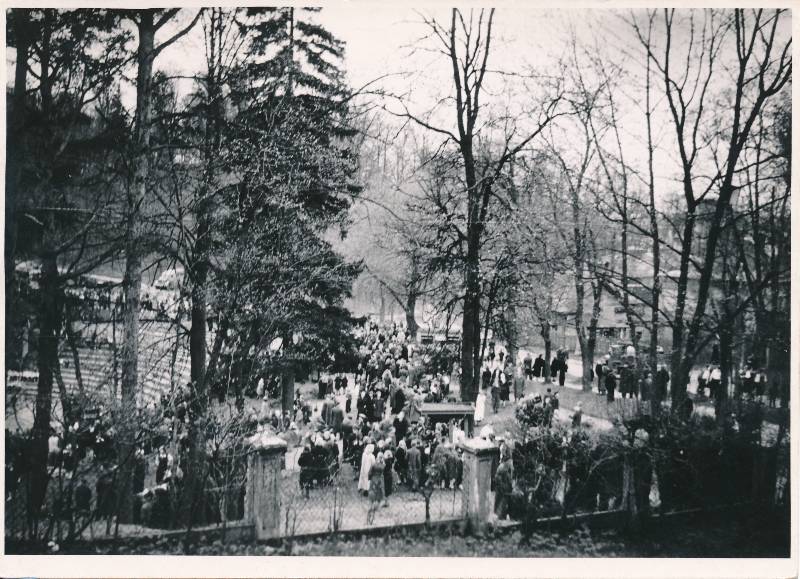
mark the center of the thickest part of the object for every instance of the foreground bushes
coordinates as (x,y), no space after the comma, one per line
(652,463)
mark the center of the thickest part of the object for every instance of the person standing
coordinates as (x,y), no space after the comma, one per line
(307,470)
(519,384)
(326,412)
(260,388)
(337,417)
(661,384)
(400,426)
(496,391)
(378,405)
(611,384)
(554,367)
(598,371)
(646,388)
(480,406)
(714,382)
(527,365)
(624,380)
(388,472)
(414,465)
(397,400)
(486,376)
(761,384)
(577,416)
(562,372)
(377,496)
(538,367)
(401,461)
(367,460)
(702,381)
(503,484)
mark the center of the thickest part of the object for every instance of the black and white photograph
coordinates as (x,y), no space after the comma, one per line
(372,281)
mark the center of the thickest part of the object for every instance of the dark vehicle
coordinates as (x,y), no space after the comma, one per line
(618,355)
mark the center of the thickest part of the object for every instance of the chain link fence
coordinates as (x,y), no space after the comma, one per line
(328,500)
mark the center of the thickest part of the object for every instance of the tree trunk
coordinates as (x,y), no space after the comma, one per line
(470,329)
(411,320)
(725,366)
(382,313)
(629,501)
(512,332)
(287,389)
(14,139)
(195,470)
(132,279)
(678,369)
(49,324)
(72,341)
(548,350)
(587,357)
(626,298)
(656,248)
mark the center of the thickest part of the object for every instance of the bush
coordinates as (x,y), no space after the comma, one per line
(697,464)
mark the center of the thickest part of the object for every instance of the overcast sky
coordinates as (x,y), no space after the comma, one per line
(380,40)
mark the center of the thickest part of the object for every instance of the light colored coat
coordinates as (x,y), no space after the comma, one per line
(367,460)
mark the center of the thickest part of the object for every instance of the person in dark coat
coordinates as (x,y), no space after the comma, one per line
(661,384)
(307,474)
(365,405)
(388,472)
(624,380)
(162,465)
(400,424)
(401,461)
(322,387)
(646,386)
(538,367)
(83,499)
(505,385)
(398,401)
(327,407)
(377,406)
(105,495)
(598,371)
(495,391)
(611,383)
(527,366)
(562,372)
(486,377)
(414,466)
(337,417)
(555,365)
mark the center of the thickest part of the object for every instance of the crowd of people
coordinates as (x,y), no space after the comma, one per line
(369,422)
(631,380)
(372,421)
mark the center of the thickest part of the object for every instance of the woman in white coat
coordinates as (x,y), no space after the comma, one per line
(480,406)
(367,460)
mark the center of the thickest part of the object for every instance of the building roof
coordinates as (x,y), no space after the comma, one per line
(447,408)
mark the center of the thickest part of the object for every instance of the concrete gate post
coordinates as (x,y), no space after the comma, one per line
(476,502)
(262,503)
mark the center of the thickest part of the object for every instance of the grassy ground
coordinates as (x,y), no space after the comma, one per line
(727,535)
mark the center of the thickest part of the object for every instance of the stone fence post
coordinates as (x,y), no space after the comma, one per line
(262,503)
(476,503)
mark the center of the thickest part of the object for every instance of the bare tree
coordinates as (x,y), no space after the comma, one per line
(570,186)
(744,53)
(466,42)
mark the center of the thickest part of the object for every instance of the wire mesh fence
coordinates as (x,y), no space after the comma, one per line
(329,501)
